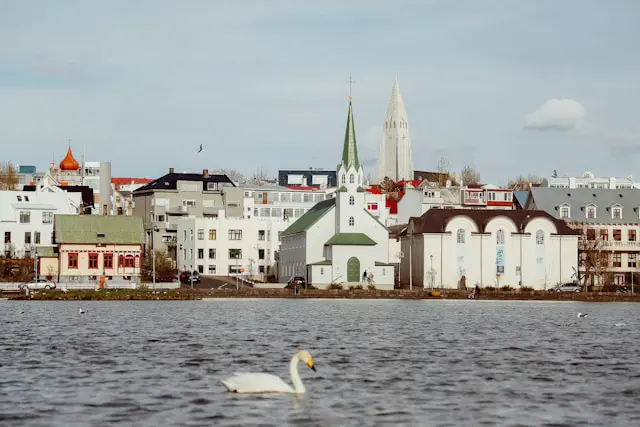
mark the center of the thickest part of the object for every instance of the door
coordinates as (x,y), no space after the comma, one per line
(353,270)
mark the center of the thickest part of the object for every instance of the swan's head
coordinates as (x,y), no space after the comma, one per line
(305,356)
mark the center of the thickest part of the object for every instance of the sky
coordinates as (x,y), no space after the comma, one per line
(507,87)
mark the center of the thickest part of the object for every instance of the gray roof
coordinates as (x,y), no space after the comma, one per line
(550,200)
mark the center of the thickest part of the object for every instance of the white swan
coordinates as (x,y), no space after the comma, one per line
(81,311)
(258,382)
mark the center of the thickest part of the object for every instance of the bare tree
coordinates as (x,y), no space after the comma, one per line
(524,182)
(388,185)
(251,267)
(8,176)
(233,175)
(469,175)
(444,170)
(593,259)
(261,177)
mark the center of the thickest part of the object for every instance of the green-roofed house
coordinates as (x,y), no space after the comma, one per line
(338,240)
(90,246)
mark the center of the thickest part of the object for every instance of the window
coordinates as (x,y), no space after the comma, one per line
(72,260)
(631,260)
(47,217)
(200,268)
(591,212)
(7,237)
(212,253)
(36,237)
(191,235)
(260,253)
(631,236)
(500,237)
(352,221)
(617,235)
(212,186)
(160,218)
(343,179)
(212,234)
(126,261)
(234,269)
(184,232)
(93,261)
(235,234)
(539,237)
(200,234)
(616,213)
(604,234)
(564,212)
(27,237)
(460,235)
(352,200)
(25,217)
(201,254)
(372,206)
(235,253)
(261,234)
(351,179)
(617,259)
(591,234)
(107,261)
(321,271)
(212,269)
(189,203)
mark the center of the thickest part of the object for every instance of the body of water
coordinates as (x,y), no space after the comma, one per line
(379,362)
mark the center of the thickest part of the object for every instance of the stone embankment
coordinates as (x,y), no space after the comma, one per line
(196,294)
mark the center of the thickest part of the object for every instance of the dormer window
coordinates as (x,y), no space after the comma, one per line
(565,211)
(591,212)
(616,212)
(19,198)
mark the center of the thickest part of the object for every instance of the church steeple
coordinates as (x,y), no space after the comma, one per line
(350,149)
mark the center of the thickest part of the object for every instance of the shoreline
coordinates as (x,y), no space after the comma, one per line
(187,294)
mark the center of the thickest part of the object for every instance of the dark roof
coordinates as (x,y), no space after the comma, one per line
(436,220)
(170,181)
(395,230)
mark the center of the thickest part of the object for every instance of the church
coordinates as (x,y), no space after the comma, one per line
(338,240)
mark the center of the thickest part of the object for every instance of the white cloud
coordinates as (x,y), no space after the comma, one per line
(556,114)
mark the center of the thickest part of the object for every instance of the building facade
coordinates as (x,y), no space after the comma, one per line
(457,248)
(27,217)
(395,157)
(338,240)
(314,178)
(589,180)
(608,221)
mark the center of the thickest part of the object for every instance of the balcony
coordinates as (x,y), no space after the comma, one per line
(210,210)
(180,210)
(620,245)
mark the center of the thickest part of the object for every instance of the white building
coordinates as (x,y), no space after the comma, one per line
(338,240)
(26,217)
(395,158)
(589,180)
(445,248)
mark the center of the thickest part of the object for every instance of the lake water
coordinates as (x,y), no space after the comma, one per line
(379,362)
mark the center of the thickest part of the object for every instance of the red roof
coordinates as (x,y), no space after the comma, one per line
(373,190)
(303,187)
(119,182)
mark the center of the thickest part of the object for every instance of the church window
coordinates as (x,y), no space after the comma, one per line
(539,237)
(500,237)
(343,178)
(352,221)
(352,200)
(460,235)
(351,179)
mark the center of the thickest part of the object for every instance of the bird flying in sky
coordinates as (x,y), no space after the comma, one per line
(200,150)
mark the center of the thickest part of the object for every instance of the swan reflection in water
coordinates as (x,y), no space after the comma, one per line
(260,382)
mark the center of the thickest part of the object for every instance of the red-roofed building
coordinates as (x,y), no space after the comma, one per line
(123,189)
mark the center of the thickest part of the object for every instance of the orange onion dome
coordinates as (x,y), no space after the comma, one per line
(69,163)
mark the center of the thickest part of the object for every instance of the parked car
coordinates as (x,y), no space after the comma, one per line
(296,281)
(566,287)
(38,284)
(188,277)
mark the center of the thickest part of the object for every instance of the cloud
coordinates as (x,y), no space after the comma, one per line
(556,114)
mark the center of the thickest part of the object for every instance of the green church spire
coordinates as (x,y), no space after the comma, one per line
(350,150)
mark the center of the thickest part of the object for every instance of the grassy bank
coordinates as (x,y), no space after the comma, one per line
(196,294)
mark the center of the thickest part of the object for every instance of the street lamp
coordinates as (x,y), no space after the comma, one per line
(153,245)
(432,275)
(35,262)
(400,255)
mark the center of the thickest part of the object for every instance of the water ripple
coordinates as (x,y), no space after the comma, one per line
(435,363)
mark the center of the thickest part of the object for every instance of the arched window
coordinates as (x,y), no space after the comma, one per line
(343,178)
(460,235)
(351,179)
(352,221)
(540,237)
(500,237)
(352,200)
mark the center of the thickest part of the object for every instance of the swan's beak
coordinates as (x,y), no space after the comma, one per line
(310,364)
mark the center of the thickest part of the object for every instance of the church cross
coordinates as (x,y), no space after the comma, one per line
(351,82)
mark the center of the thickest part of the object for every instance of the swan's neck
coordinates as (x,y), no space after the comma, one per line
(295,377)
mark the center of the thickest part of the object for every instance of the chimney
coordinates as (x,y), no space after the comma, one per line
(205,173)
(171,170)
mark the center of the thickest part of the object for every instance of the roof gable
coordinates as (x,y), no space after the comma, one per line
(170,181)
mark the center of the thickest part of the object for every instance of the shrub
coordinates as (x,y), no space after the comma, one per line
(352,287)
(335,286)
(489,288)
(371,287)
(527,289)
(506,288)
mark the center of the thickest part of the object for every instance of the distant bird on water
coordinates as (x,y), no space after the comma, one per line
(581,315)
(81,311)
(201,148)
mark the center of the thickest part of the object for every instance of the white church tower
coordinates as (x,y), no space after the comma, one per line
(395,158)
(350,194)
